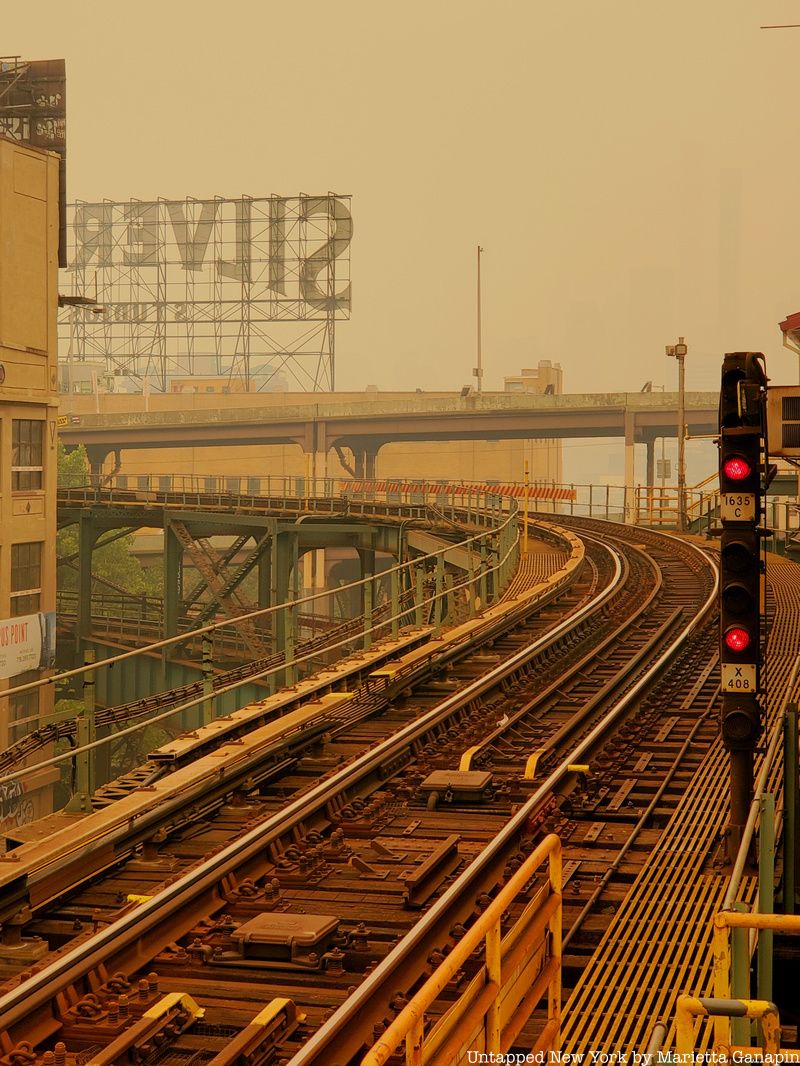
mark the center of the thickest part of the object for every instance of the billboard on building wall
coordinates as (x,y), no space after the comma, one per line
(27,643)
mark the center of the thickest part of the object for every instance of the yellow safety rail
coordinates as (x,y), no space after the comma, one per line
(519,969)
(724,921)
(688,1008)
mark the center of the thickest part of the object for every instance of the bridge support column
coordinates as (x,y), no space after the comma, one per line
(366,462)
(483,586)
(650,444)
(319,468)
(650,477)
(630,469)
(173,579)
(293,611)
(173,582)
(96,455)
(367,558)
(440,609)
(87,535)
(284,567)
(85,734)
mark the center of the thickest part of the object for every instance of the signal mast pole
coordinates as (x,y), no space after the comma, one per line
(742,468)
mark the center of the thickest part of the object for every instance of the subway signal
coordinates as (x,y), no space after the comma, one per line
(736,468)
(739,598)
(743,475)
(737,639)
(741,395)
(741,722)
(740,474)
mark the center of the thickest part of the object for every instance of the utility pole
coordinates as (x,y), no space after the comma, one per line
(679,351)
(478,371)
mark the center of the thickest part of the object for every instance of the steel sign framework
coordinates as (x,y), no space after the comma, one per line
(247,289)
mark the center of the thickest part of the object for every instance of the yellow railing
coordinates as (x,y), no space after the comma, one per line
(519,969)
(688,1008)
(724,921)
(723,1007)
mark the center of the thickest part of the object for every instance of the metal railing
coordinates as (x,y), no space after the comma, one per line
(418,587)
(657,505)
(732,948)
(518,969)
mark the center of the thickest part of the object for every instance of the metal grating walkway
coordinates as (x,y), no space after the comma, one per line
(659,943)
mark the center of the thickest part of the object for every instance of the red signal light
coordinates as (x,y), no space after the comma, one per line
(737,639)
(736,468)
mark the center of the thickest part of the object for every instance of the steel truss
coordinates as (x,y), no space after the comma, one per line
(247,289)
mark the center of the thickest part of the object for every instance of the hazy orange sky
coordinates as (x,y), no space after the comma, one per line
(630,166)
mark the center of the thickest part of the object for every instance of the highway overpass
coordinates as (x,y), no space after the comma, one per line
(363,423)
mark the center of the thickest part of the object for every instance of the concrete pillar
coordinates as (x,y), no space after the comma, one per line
(96,455)
(630,468)
(370,463)
(650,444)
(365,458)
(316,444)
(367,559)
(173,580)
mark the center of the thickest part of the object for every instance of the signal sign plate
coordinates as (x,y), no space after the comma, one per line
(738,677)
(737,507)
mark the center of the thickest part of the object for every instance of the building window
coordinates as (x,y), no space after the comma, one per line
(26,578)
(26,454)
(23,706)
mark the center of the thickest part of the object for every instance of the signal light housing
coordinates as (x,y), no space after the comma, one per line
(741,722)
(740,464)
(742,483)
(736,468)
(737,639)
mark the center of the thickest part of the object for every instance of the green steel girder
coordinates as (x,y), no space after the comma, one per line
(225,559)
(232,583)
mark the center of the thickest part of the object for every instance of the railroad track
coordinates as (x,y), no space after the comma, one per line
(315,891)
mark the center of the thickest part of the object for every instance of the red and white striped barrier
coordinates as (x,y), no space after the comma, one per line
(435,488)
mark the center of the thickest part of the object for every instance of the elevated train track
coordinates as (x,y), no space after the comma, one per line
(382,825)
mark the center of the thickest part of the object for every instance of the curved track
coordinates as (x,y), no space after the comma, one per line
(362,851)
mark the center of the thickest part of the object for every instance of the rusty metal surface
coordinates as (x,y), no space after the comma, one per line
(373,849)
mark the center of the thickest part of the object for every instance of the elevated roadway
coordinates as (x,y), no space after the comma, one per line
(364,424)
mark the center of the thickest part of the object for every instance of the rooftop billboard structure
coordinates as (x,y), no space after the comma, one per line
(250,281)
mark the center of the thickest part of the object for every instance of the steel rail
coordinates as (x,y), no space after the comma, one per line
(209,792)
(320,1046)
(38,991)
(238,683)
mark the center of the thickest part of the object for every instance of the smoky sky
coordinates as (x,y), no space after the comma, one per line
(629,166)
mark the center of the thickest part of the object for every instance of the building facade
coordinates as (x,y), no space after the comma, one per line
(28,455)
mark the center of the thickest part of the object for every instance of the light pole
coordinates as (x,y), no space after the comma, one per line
(679,351)
(478,371)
